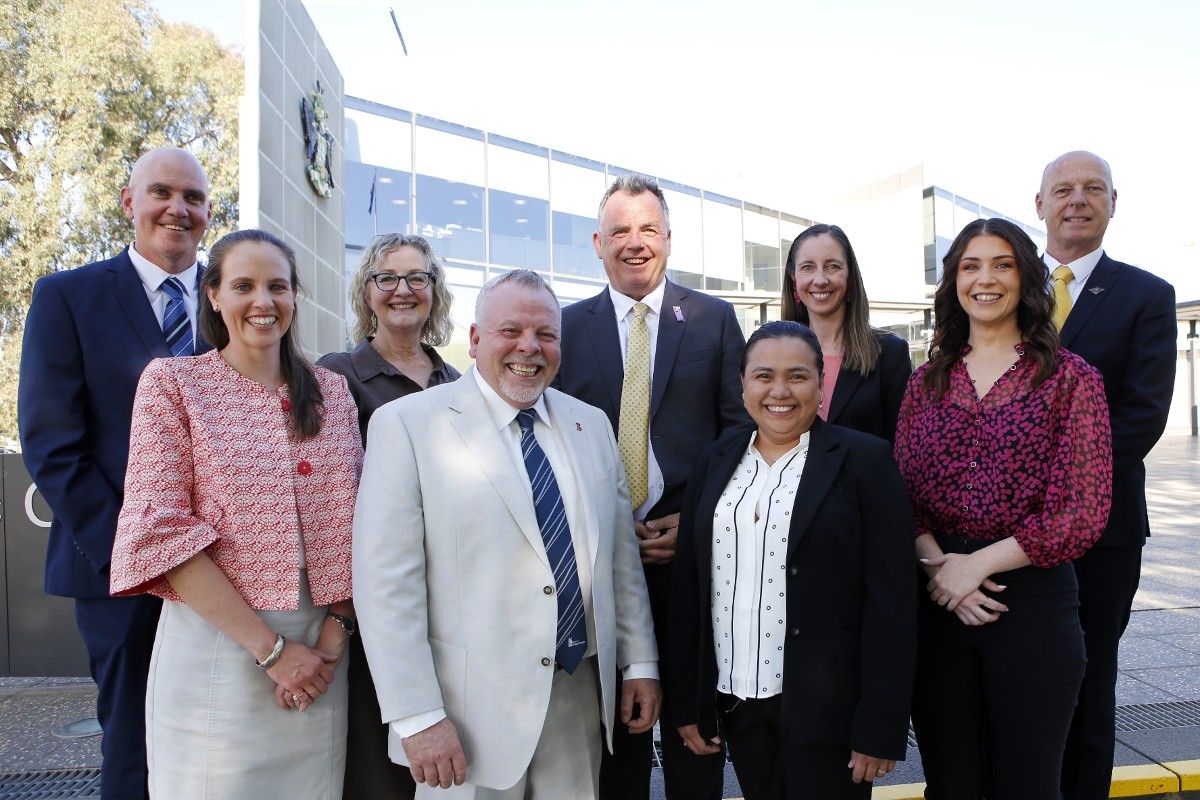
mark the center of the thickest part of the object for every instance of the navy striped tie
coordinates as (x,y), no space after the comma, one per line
(571,642)
(176,325)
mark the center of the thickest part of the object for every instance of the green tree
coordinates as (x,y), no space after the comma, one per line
(89,86)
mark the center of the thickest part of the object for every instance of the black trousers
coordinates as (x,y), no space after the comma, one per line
(625,773)
(768,770)
(119,635)
(370,774)
(1108,579)
(992,704)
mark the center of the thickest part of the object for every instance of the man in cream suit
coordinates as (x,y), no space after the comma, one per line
(497,576)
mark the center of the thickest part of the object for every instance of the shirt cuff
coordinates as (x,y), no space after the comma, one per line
(407,726)
(642,669)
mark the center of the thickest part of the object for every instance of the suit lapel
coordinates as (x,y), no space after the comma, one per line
(1098,287)
(580,454)
(478,431)
(671,327)
(606,344)
(847,384)
(821,467)
(131,296)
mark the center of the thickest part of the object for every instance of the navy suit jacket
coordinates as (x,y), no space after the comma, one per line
(1124,325)
(850,647)
(89,334)
(871,403)
(696,391)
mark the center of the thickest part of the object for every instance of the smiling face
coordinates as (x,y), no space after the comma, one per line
(820,276)
(1076,200)
(402,311)
(781,389)
(988,282)
(255,298)
(168,201)
(515,343)
(634,242)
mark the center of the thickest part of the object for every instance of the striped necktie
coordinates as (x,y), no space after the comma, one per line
(177,328)
(571,640)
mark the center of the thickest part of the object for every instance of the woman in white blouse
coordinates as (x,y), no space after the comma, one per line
(793,612)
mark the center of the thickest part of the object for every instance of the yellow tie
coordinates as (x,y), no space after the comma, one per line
(1062,297)
(633,426)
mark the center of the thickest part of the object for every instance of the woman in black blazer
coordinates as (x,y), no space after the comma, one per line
(793,607)
(866,369)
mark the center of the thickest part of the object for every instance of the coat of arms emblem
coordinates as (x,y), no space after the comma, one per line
(318,142)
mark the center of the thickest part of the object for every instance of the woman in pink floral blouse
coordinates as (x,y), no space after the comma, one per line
(243,468)
(1004,442)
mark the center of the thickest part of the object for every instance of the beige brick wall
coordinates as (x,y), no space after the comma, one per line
(285,57)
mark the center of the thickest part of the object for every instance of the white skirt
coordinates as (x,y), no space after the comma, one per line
(213,728)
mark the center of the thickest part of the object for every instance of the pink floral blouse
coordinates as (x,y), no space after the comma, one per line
(213,467)
(1035,464)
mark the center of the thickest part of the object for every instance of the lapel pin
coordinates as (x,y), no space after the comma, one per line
(1096,289)
(678,313)
(578,427)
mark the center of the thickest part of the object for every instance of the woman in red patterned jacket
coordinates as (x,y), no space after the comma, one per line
(1003,440)
(243,469)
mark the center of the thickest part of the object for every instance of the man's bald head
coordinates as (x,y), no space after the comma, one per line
(1076,200)
(168,201)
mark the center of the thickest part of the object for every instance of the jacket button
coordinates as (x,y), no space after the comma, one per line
(546,662)
(795,631)
(304,468)
(793,571)
(548,590)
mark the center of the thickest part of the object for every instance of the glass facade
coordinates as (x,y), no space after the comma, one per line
(945,215)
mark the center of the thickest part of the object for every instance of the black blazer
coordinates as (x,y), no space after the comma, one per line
(1124,325)
(850,651)
(871,403)
(696,392)
(89,334)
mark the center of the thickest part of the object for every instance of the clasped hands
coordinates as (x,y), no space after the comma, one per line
(955,583)
(657,537)
(304,673)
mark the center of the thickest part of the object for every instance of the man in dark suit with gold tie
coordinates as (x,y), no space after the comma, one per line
(1122,320)
(662,362)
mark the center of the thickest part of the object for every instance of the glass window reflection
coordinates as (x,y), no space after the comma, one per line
(517,227)
(450,216)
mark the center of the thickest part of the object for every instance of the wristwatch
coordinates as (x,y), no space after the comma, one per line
(348,624)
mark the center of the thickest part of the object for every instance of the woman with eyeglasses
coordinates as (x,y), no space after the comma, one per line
(402,304)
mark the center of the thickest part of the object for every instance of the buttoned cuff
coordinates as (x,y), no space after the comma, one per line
(407,726)
(642,669)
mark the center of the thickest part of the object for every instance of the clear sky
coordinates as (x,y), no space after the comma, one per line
(791,103)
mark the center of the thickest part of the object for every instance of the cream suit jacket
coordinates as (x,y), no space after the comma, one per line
(450,572)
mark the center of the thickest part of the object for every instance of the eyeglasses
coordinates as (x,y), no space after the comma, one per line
(389,281)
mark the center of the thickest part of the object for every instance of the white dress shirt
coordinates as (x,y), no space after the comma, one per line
(1081,268)
(153,276)
(623,306)
(749,556)
(550,439)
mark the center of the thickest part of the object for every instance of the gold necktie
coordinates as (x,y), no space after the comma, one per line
(633,427)
(1062,297)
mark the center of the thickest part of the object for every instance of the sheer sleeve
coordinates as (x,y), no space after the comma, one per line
(1078,492)
(157,529)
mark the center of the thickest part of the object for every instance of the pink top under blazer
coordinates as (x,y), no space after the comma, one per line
(212,467)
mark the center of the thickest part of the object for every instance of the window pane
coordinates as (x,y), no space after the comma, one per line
(687,237)
(573,251)
(723,255)
(450,216)
(379,140)
(517,226)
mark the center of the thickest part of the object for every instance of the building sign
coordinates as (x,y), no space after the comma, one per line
(318,142)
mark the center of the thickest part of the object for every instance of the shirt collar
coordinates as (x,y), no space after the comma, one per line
(801,446)
(623,304)
(368,362)
(501,412)
(153,275)
(1081,268)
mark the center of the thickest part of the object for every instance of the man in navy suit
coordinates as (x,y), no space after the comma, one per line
(689,393)
(1122,320)
(89,334)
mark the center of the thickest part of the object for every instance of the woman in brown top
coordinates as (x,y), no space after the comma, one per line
(400,297)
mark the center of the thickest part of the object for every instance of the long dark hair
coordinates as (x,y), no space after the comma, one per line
(860,342)
(304,391)
(1034,308)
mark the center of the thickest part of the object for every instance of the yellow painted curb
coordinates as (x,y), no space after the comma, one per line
(899,791)
(1142,779)
(1188,772)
